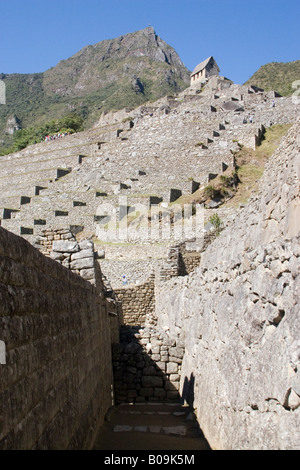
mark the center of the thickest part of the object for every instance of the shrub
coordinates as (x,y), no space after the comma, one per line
(210,191)
(216,222)
(31,135)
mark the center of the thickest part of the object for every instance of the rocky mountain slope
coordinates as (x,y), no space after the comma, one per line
(113,74)
(237,313)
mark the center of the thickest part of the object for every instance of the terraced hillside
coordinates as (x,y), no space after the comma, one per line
(151,156)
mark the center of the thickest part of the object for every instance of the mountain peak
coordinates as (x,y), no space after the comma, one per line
(112,74)
(110,60)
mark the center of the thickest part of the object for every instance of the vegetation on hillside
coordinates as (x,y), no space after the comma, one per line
(277,76)
(250,163)
(69,124)
(234,187)
(108,76)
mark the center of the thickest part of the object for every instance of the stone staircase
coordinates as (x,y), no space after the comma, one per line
(151,426)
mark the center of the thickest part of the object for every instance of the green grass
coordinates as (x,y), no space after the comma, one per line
(251,163)
(23,138)
(277,76)
(250,168)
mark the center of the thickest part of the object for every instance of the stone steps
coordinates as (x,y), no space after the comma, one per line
(151,426)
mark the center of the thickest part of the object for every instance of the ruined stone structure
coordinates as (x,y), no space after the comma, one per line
(56,384)
(207,68)
(147,366)
(214,323)
(238,316)
(150,156)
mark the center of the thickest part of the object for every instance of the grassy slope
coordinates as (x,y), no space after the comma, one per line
(250,167)
(251,163)
(277,76)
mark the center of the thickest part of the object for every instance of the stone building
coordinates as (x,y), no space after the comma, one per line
(205,69)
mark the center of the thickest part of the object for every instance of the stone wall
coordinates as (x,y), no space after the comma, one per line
(82,259)
(138,302)
(146,361)
(238,315)
(56,384)
(147,366)
(184,257)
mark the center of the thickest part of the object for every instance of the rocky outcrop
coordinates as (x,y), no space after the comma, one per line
(13,124)
(112,60)
(238,314)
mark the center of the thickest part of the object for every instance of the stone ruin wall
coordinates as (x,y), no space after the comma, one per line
(238,317)
(56,384)
(147,361)
(138,302)
(147,365)
(160,355)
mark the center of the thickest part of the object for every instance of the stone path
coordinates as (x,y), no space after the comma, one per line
(150,426)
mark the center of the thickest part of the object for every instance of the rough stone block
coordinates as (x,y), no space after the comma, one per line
(146,392)
(83,263)
(57,256)
(82,254)
(160,393)
(155,357)
(172,367)
(65,246)
(175,359)
(86,245)
(172,394)
(177,352)
(150,381)
(87,274)
(150,370)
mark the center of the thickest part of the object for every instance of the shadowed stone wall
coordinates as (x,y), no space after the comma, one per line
(55,387)
(138,302)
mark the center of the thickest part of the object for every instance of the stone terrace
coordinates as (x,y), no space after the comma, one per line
(152,155)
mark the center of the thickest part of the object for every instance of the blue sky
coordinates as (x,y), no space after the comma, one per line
(242,35)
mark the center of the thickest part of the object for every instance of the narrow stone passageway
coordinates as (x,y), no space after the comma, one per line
(150,426)
(149,411)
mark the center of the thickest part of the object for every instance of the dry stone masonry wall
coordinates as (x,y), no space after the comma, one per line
(79,257)
(238,315)
(56,384)
(147,366)
(138,302)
